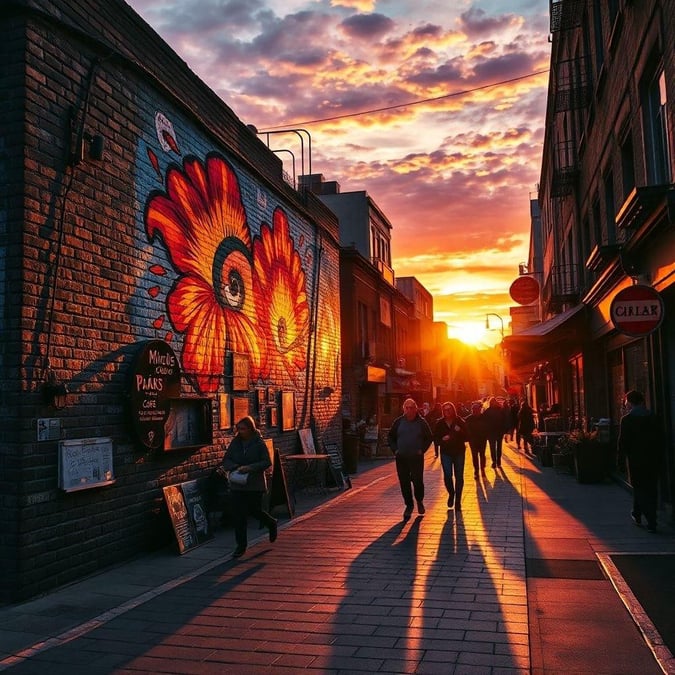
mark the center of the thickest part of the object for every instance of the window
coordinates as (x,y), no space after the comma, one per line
(627,164)
(597,222)
(654,123)
(609,234)
(362,330)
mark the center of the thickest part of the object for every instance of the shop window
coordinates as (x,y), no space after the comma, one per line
(617,384)
(578,392)
(637,367)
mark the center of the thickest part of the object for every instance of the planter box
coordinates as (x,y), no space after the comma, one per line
(589,462)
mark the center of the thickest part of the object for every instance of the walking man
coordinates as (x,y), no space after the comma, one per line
(641,444)
(409,439)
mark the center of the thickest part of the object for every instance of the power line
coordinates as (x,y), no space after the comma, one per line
(410,103)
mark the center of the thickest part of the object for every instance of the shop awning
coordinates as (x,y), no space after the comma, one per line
(546,328)
(548,339)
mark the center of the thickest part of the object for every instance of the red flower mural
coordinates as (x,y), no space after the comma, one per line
(279,285)
(202,221)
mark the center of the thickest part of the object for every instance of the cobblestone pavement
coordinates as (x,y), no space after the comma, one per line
(350,587)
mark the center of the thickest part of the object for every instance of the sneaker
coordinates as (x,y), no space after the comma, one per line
(407,513)
(636,519)
(238,552)
(420,508)
(273,531)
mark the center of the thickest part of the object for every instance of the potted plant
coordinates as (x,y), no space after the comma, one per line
(589,462)
(563,454)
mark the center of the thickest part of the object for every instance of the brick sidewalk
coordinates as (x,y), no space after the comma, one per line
(349,587)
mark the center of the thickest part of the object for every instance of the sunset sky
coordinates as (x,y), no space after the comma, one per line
(453,175)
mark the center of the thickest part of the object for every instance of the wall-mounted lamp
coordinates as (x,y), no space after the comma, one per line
(96,148)
(54,393)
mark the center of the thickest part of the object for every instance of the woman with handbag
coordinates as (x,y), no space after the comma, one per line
(246,460)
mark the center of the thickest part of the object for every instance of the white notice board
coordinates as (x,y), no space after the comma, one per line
(85,463)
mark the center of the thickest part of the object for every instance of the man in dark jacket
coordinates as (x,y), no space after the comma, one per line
(641,444)
(409,438)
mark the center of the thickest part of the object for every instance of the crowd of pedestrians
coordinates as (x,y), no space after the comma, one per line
(488,424)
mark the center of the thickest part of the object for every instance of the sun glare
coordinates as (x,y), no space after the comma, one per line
(472,334)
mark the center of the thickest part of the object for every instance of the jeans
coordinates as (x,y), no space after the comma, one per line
(478,455)
(496,450)
(410,469)
(247,503)
(453,477)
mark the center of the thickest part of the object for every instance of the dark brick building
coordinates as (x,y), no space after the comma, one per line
(158,278)
(607,204)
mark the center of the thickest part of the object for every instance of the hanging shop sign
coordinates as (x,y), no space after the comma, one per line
(637,310)
(154,380)
(524,290)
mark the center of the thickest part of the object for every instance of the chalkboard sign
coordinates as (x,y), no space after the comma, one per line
(187,511)
(85,463)
(278,490)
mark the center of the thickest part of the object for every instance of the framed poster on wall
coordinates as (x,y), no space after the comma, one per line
(239,408)
(287,410)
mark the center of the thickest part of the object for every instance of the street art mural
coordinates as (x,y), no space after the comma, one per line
(234,290)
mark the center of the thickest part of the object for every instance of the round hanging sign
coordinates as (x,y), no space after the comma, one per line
(524,290)
(637,310)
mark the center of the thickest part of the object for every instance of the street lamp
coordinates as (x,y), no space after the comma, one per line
(501,323)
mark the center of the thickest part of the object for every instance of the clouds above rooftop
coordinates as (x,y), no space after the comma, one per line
(450,140)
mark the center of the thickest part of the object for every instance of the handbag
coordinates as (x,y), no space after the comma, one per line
(236,477)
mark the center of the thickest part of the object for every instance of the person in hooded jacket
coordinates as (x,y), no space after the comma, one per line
(248,454)
(450,434)
(640,443)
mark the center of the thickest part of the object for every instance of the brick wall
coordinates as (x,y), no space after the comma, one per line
(111,258)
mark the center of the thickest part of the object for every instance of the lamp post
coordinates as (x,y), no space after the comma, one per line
(503,375)
(501,323)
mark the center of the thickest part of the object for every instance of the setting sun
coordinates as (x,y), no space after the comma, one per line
(471,333)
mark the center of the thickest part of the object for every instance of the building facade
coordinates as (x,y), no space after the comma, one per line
(158,280)
(607,204)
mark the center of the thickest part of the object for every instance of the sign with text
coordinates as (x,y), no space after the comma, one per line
(85,463)
(154,379)
(637,310)
(524,290)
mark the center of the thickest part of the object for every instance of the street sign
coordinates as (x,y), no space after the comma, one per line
(637,310)
(524,290)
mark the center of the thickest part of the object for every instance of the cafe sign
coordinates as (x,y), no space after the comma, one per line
(637,310)
(154,380)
